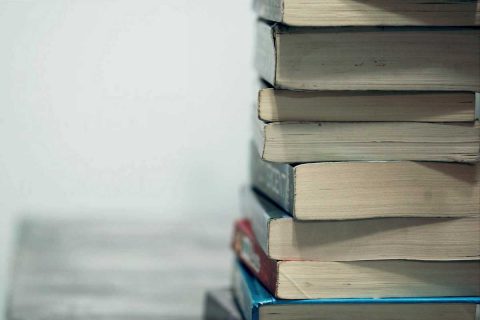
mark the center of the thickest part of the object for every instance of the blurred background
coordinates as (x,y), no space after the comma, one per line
(122,108)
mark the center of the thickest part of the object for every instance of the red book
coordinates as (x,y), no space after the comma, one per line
(253,257)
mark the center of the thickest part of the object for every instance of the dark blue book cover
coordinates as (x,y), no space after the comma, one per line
(251,296)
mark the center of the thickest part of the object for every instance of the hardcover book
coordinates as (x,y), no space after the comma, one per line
(435,239)
(369,58)
(366,189)
(370,12)
(305,279)
(256,303)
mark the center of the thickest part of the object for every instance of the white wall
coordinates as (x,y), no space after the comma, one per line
(122,107)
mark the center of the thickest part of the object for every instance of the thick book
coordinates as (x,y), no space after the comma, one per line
(295,142)
(277,105)
(256,303)
(387,58)
(220,305)
(370,12)
(364,189)
(305,279)
(429,239)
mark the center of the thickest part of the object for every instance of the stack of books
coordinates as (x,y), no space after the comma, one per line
(364,200)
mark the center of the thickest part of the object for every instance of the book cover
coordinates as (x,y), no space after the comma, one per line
(254,258)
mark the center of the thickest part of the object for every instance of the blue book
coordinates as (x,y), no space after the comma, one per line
(256,303)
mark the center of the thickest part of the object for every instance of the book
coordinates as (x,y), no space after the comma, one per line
(362,141)
(304,279)
(277,105)
(256,303)
(370,12)
(369,58)
(220,305)
(366,189)
(435,239)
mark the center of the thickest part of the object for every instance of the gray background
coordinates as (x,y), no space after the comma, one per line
(123,108)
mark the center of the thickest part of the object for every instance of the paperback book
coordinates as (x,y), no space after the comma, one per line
(256,303)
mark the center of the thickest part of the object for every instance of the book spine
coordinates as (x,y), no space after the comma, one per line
(253,257)
(266,52)
(274,180)
(242,294)
(252,210)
